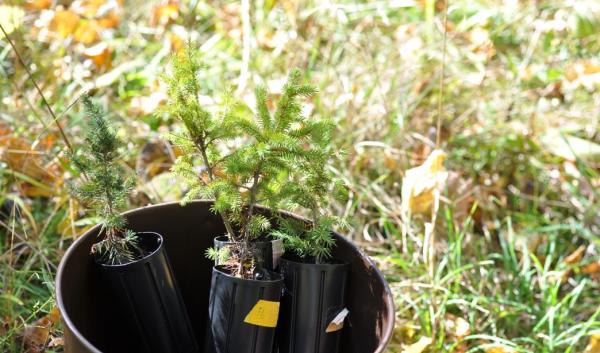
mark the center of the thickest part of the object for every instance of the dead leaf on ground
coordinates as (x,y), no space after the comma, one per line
(575,257)
(457,327)
(594,345)
(165,13)
(64,23)
(35,336)
(420,184)
(570,147)
(38,4)
(419,346)
(87,32)
(500,349)
(100,54)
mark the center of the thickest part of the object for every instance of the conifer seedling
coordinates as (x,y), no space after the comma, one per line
(105,187)
(274,145)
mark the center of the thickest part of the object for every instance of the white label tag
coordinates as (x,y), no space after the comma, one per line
(338,321)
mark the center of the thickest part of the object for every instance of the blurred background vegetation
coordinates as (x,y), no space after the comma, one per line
(517,264)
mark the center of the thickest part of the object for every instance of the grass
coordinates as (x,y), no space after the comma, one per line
(521,198)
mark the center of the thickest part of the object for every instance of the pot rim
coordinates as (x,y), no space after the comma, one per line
(389,297)
(385,337)
(61,269)
(292,258)
(224,239)
(246,280)
(136,261)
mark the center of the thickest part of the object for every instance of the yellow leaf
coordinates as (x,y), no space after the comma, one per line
(39,4)
(420,184)
(11,17)
(111,20)
(419,346)
(64,22)
(88,32)
(500,349)
(594,345)
(264,313)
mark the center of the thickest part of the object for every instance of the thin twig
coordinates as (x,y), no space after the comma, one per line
(54,118)
(443,68)
(246,28)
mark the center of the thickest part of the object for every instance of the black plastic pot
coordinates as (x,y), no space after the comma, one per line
(87,312)
(314,294)
(148,301)
(231,301)
(267,252)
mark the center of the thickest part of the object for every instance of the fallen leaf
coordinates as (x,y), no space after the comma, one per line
(594,345)
(39,4)
(420,184)
(11,17)
(56,342)
(87,32)
(457,327)
(100,55)
(165,13)
(20,157)
(36,336)
(592,268)
(570,147)
(419,346)
(500,349)
(111,20)
(575,257)
(64,23)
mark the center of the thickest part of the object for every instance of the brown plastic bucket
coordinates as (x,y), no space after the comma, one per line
(91,324)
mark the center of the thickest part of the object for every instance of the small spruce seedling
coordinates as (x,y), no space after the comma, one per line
(105,187)
(310,187)
(274,145)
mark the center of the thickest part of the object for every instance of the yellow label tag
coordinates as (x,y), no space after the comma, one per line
(264,313)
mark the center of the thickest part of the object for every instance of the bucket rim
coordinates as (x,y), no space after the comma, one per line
(70,326)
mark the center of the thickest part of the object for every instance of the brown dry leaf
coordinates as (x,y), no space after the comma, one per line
(19,156)
(36,336)
(457,327)
(575,257)
(100,55)
(421,183)
(87,32)
(165,13)
(64,23)
(389,160)
(419,346)
(592,268)
(594,345)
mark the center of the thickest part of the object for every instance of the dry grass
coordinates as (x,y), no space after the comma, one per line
(519,200)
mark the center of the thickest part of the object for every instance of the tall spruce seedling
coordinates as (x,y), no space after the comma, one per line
(105,187)
(273,146)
